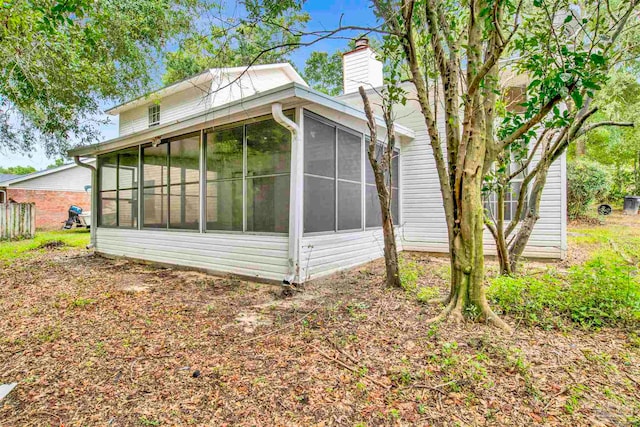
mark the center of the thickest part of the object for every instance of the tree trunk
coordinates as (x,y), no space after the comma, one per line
(636,172)
(382,169)
(467,296)
(390,249)
(581,148)
(521,239)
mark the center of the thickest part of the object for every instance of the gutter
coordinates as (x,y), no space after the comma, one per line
(295,193)
(94,205)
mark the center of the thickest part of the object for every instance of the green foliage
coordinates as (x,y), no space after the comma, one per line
(410,273)
(617,147)
(58,162)
(603,292)
(81,302)
(323,72)
(60,59)
(586,183)
(236,42)
(18,170)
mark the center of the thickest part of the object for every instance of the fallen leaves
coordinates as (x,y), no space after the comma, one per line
(145,345)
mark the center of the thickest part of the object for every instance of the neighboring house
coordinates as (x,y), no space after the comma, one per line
(52,191)
(5,177)
(254,173)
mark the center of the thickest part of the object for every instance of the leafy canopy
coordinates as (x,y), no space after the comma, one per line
(237,41)
(323,72)
(60,58)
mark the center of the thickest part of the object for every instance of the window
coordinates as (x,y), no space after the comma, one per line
(118,189)
(248,177)
(333,186)
(184,182)
(511,195)
(332,177)
(319,176)
(154,171)
(154,115)
(247,181)
(225,179)
(372,202)
(171,174)
(349,181)
(268,164)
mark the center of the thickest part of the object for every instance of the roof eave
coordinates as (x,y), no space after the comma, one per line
(289,90)
(37,174)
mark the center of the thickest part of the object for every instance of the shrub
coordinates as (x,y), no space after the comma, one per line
(605,291)
(534,300)
(586,182)
(622,184)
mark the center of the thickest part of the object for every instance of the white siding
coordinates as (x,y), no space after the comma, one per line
(422,211)
(226,88)
(222,89)
(70,179)
(361,68)
(325,254)
(259,256)
(172,108)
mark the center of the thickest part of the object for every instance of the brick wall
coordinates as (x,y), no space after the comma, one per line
(51,206)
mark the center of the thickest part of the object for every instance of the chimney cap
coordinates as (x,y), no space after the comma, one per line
(362,42)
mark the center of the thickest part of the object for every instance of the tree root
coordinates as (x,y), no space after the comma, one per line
(494,320)
(444,314)
(443,300)
(453,312)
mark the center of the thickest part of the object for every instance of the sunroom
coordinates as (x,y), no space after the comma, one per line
(282,192)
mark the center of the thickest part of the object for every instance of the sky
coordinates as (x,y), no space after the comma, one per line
(325,14)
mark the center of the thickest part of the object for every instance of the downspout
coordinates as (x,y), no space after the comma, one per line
(94,211)
(295,194)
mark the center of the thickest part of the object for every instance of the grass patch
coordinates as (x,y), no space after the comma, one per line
(44,240)
(410,274)
(604,291)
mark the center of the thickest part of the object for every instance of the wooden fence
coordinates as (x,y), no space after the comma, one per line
(17,220)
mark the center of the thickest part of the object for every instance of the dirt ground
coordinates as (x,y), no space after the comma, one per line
(98,342)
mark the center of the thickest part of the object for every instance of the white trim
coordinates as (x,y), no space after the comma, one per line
(202,78)
(295,188)
(235,111)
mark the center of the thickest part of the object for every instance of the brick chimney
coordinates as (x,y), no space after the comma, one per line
(361,68)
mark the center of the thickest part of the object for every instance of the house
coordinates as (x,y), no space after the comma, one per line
(251,172)
(52,191)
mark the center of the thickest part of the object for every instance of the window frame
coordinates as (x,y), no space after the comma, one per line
(134,190)
(394,188)
(167,184)
(153,113)
(363,176)
(490,202)
(335,179)
(291,114)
